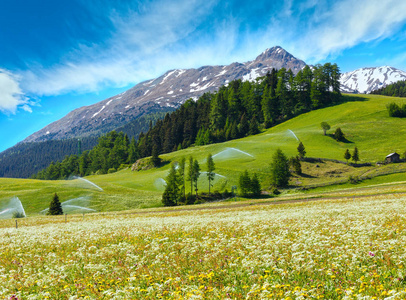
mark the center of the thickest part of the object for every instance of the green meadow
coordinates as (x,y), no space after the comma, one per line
(363,119)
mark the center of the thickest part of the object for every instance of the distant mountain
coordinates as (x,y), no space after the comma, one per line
(167,91)
(366,80)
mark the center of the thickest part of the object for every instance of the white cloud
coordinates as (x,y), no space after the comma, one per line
(11,96)
(345,24)
(164,34)
(144,45)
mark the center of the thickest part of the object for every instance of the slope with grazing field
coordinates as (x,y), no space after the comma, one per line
(364,121)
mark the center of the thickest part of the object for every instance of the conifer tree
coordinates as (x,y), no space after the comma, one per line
(55,207)
(255,186)
(155,159)
(245,183)
(301,150)
(181,171)
(190,175)
(280,169)
(347,155)
(253,126)
(210,170)
(243,127)
(339,135)
(196,174)
(296,165)
(171,194)
(355,155)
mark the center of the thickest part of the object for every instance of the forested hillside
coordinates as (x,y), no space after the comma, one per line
(236,110)
(26,159)
(397,89)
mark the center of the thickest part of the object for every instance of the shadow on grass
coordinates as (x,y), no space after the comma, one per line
(307,175)
(343,140)
(352,98)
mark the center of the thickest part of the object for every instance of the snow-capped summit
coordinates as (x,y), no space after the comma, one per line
(166,92)
(366,80)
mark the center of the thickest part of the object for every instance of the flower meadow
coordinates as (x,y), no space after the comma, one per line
(341,249)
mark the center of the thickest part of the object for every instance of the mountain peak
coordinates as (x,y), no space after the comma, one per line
(279,58)
(366,80)
(276,52)
(166,92)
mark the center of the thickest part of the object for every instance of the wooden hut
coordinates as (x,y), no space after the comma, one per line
(392,158)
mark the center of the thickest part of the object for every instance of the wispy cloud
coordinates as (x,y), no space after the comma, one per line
(343,24)
(11,95)
(144,44)
(149,39)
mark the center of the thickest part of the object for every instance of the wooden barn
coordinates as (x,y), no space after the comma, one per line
(392,158)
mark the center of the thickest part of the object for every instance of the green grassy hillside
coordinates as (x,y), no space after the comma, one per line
(364,120)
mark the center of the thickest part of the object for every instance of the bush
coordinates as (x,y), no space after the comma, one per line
(354,179)
(275,191)
(18,215)
(111,170)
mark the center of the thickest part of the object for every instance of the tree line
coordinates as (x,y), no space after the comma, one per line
(112,151)
(243,108)
(397,89)
(235,111)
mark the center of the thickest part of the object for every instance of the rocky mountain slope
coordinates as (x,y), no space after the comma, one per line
(167,91)
(366,80)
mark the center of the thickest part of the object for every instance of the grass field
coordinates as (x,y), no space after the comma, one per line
(364,121)
(335,249)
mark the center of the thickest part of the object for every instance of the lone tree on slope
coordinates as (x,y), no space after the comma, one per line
(55,207)
(325,127)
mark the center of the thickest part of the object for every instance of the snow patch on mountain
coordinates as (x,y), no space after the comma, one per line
(169,90)
(366,80)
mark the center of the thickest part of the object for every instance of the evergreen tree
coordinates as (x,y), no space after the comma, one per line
(181,171)
(196,174)
(347,155)
(253,126)
(133,151)
(155,159)
(266,107)
(301,150)
(245,183)
(210,170)
(243,127)
(280,169)
(171,194)
(339,135)
(255,186)
(190,175)
(355,155)
(295,164)
(55,207)
(325,126)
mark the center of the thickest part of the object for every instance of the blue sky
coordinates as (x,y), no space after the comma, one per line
(56,56)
